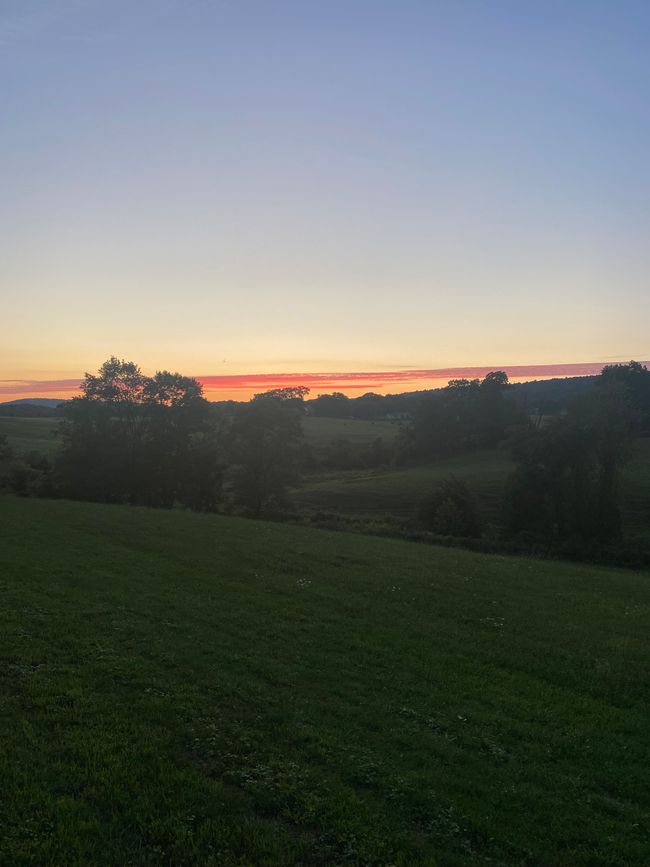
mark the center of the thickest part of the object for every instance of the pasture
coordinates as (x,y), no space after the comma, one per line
(389,491)
(323,431)
(189,689)
(28,434)
(397,491)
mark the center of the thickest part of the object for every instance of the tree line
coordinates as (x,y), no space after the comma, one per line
(156,441)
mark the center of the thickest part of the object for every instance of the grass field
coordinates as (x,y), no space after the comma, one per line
(186,689)
(39,433)
(399,491)
(322,431)
(26,434)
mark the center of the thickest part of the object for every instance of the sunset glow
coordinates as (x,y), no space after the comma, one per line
(243,386)
(240,191)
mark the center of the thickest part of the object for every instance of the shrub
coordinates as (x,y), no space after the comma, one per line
(451,510)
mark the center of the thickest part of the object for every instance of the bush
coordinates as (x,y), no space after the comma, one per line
(451,510)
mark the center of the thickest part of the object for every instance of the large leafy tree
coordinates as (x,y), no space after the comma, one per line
(565,485)
(632,382)
(466,415)
(263,444)
(133,438)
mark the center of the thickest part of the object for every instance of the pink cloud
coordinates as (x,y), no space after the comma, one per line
(60,387)
(240,386)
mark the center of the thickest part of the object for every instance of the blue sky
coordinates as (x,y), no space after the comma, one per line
(232,187)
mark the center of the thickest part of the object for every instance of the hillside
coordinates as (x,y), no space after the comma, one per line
(394,493)
(202,690)
(27,402)
(27,434)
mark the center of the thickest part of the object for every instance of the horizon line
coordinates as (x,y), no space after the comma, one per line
(337,380)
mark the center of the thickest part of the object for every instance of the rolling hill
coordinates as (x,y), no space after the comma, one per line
(191,689)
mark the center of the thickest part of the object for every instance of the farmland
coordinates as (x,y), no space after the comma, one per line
(397,491)
(27,434)
(193,689)
(390,491)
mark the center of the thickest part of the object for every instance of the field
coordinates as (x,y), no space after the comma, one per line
(398,491)
(27,434)
(39,433)
(184,689)
(322,431)
(388,492)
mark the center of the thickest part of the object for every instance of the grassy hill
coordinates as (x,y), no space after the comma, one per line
(187,689)
(322,431)
(26,434)
(39,433)
(398,491)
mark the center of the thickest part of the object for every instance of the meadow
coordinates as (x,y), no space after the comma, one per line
(27,434)
(389,493)
(187,689)
(397,491)
(322,431)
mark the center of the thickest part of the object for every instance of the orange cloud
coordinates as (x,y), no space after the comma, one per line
(242,386)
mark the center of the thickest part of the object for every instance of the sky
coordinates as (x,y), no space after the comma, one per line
(354,194)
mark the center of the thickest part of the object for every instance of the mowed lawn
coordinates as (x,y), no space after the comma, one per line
(186,689)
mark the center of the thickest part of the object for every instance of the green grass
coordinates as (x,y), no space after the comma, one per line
(185,689)
(393,492)
(39,433)
(399,491)
(322,431)
(27,434)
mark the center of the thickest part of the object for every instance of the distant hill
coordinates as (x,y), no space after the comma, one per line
(549,395)
(52,402)
(552,395)
(38,407)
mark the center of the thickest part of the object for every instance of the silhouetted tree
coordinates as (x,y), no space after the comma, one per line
(335,405)
(633,379)
(293,395)
(466,415)
(133,438)
(451,510)
(263,443)
(565,485)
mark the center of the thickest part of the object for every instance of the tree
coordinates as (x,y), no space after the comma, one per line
(263,444)
(565,484)
(468,414)
(633,381)
(132,438)
(335,405)
(294,394)
(451,510)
